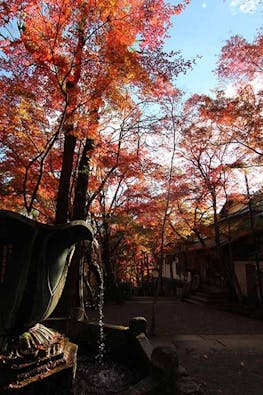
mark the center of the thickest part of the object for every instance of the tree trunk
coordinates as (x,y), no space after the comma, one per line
(62,209)
(80,199)
(71,304)
(221,258)
(107,263)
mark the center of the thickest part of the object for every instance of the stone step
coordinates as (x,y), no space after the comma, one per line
(212,292)
(208,295)
(198,301)
(150,299)
(200,298)
(212,297)
(193,301)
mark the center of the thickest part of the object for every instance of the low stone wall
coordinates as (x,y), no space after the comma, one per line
(161,372)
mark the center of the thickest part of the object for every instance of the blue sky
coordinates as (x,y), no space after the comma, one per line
(202,29)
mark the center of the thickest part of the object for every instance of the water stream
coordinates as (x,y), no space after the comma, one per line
(101,339)
(100,374)
(97,373)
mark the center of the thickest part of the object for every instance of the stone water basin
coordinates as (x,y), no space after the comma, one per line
(127,367)
(108,376)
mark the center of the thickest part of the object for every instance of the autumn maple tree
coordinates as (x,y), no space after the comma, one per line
(121,168)
(208,166)
(64,63)
(241,61)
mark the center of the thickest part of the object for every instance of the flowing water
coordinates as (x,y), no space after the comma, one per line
(101,340)
(102,375)
(106,377)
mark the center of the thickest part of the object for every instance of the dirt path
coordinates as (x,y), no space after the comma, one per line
(222,350)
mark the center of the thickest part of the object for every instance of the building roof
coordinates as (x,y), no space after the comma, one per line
(236,220)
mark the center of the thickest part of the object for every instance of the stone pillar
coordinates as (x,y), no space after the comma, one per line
(165,359)
(137,325)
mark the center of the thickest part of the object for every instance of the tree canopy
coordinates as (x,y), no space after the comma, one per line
(93,126)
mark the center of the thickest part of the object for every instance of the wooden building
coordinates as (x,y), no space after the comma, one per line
(239,263)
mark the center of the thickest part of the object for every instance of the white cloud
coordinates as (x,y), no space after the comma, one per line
(257,84)
(246,6)
(230,90)
(204,5)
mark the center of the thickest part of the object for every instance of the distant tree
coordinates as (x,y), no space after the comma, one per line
(239,120)
(208,164)
(241,61)
(118,179)
(240,116)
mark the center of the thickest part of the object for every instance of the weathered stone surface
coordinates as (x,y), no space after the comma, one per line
(181,371)
(145,345)
(165,358)
(137,325)
(186,386)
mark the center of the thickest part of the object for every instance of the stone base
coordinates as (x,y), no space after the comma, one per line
(37,361)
